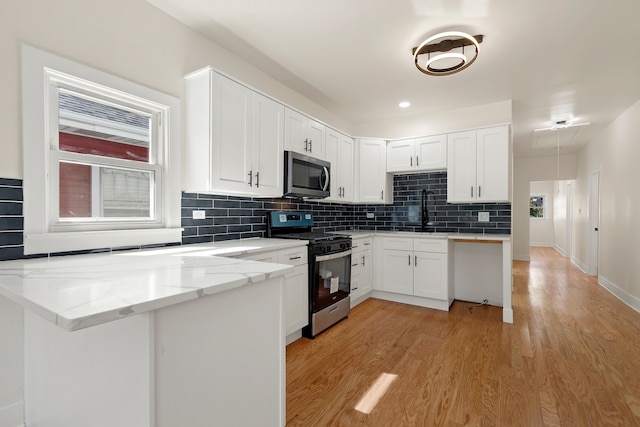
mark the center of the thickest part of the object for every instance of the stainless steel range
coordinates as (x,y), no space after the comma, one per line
(329,268)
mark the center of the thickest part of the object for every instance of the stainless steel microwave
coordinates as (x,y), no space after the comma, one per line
(306,176)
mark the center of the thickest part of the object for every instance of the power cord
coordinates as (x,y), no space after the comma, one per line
(484,302)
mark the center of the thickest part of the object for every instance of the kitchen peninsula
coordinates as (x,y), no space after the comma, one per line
(159,337)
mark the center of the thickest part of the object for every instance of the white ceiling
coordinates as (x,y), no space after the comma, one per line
(555,59)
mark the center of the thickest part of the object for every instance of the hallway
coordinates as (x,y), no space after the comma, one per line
(571,358)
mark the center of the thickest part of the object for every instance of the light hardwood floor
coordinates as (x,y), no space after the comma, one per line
(571,358)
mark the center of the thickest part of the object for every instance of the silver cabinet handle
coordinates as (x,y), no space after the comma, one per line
(472,191)
(367,244)
(257,179)
(311,146)
(411,161)
(415,261)
(306,145)
(479,191)
(382,195)
(295,257)
(363,260)
(417,161)
(250,178)
(409,259)
(354,265)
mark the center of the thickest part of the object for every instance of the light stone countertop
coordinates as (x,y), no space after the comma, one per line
(80,291)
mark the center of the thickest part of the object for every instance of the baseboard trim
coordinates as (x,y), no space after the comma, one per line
(620,293)
(560,251)
(578,264)
(12,415)
(541,244)
(521,257)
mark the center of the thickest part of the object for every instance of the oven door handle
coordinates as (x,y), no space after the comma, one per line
(332,256)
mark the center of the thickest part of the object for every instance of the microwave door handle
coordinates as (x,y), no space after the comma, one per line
(324,184)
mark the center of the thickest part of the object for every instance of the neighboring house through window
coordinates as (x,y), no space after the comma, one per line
(101,158)
(537,206)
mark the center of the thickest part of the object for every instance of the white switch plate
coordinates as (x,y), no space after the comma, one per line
(198,214)
(370,215)
(483,216)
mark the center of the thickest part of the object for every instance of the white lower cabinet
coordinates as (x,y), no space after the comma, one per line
(296,285)
(416,267)
(361,269)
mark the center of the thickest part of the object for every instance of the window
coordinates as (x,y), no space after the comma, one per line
(100,159)
(536,206)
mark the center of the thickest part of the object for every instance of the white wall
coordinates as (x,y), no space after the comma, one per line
(526,170)
(560,217)
(616,151)
(541,231)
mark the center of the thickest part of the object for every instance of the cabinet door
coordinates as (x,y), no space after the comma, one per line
(401,155)
(315,133)
(295,138)
(332,139)
(345,167)
(231,135)
(364,259)
(296,299)
(493,164)
(372,156)
(268,138)
(430,275)
(461,167)
(397,272)
(431,153)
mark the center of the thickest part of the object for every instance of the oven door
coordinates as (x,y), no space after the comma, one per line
(330,279)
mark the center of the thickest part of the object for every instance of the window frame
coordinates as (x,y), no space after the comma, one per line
(544,197)
(44,75)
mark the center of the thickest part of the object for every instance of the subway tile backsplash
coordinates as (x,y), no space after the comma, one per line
(229,217)
(241,217)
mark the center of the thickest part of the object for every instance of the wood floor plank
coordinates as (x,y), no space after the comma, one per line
(570,358)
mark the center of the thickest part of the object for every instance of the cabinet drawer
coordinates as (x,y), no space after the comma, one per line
(294,256)
(359,245)
(397,243)
(430,245)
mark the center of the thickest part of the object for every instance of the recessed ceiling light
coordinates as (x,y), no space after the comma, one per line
(404,104)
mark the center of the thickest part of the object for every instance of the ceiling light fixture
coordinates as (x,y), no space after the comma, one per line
(404,104)
(447,62)
(562,124)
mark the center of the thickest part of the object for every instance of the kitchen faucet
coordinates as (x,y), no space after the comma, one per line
(424,211)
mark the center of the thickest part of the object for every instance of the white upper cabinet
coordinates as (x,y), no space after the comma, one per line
(303,134)
(339,152)
(417,154)
(267,153)
(372,183)
(478,166)
(234,138)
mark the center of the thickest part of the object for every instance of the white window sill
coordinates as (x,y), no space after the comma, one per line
(63,242)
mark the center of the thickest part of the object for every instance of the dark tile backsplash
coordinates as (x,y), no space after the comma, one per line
(224,213)
(404,213)
(229,217)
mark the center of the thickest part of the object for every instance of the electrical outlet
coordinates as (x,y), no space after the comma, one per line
(483,216)
(370,215)
(198,214)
